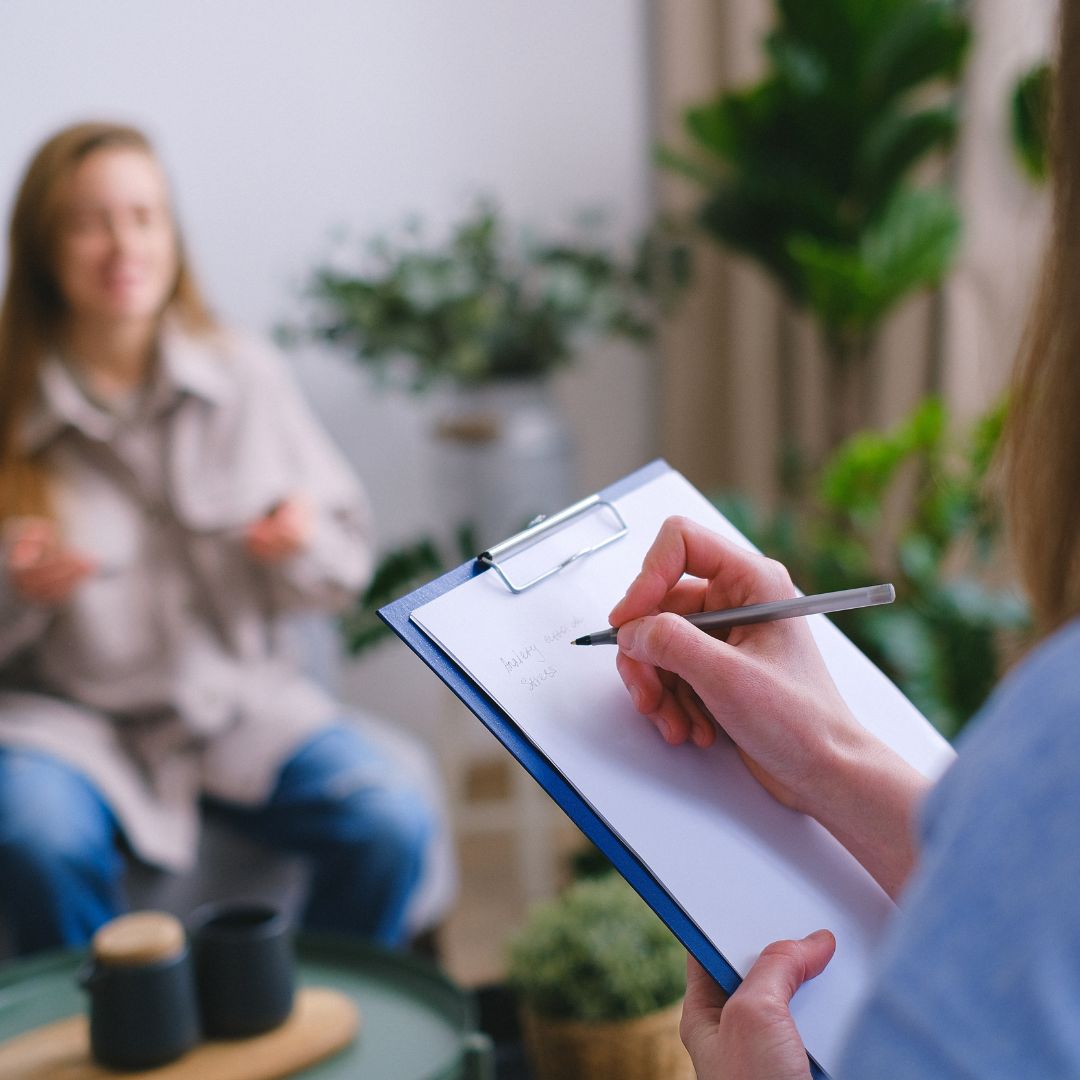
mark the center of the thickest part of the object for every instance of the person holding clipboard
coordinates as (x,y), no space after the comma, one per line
(981,976)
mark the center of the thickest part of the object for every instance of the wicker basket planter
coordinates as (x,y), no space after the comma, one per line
(646,1048)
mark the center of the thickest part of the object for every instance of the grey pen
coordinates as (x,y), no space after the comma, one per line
(818,604)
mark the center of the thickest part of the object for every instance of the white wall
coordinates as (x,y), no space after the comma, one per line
(281,120)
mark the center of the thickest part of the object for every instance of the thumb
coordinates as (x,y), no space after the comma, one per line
(784,966)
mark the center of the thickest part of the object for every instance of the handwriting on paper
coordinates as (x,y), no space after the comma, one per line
(523,657)
(564,631)
(530,664)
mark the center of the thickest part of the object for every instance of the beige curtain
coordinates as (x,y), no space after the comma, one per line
(731,345)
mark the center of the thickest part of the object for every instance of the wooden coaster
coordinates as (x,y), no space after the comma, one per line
(323,1021)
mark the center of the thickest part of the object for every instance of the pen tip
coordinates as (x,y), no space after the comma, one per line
(580,641)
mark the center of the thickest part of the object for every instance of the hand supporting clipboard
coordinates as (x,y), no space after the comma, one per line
(503,647)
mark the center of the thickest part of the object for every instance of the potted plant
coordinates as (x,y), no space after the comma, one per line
(811,172)
(488,317)
(601,981)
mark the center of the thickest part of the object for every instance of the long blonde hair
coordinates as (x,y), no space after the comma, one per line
(1042,443)
(33,307)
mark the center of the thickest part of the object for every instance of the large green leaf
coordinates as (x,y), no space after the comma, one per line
(839,31)
(768,132)
(859,474)
(731,126)
(852,288)
(1030,120)
(922,41)
(756,222)
(914,242)
(800,67)
(897,141)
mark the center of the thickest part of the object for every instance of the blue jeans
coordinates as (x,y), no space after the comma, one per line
(338,801)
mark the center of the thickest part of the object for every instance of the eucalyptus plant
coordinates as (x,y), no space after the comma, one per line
(485,303)
(811,170)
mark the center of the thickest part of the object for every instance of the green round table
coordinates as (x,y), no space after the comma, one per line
(415,1023)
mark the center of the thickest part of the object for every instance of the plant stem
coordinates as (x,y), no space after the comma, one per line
(790,457)
(848,358)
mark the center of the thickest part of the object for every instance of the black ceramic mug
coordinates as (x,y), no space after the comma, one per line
(244,968)
(141,982)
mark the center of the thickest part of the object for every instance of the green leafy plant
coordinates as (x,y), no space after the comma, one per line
(945,639)
(397,572)
(596,952)
(484,306)
(1029,120)
(809,171)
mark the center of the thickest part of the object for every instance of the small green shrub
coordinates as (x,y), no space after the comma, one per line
(597,952)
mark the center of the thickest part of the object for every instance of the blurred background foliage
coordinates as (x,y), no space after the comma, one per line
(398,572)
(813,171)
(823,173)
(486,303)
(1029,118)
(955,619)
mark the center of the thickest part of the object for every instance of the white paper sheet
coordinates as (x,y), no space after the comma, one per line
(744,869)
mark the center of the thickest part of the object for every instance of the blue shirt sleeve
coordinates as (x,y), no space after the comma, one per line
(981,975)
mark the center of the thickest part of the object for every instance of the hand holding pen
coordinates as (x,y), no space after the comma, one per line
(766,686)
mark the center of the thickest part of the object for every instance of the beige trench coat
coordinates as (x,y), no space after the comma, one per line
(166,675)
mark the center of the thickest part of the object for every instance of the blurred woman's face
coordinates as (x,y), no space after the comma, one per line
(117,254)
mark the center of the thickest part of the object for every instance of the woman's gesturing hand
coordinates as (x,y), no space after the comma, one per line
(39,566)
(284,531)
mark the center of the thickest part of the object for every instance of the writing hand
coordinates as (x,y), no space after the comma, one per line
(284,531)
(768,687)
(751,1035)
(39,566)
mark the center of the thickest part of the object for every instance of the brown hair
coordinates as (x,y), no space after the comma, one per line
(1042,444)
(33,307)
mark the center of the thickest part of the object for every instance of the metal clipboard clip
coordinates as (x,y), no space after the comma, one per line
(542,527)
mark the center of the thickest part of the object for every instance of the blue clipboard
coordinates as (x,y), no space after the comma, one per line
(397,616)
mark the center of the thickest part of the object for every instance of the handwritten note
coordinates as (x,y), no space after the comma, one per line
(534,664)
(743,868)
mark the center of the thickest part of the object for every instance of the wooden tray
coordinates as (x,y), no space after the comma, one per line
(323,1021)
(417,1024)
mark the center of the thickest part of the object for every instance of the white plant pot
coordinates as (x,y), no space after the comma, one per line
(502,454)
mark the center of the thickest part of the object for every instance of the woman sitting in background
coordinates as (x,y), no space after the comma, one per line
(165,499)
